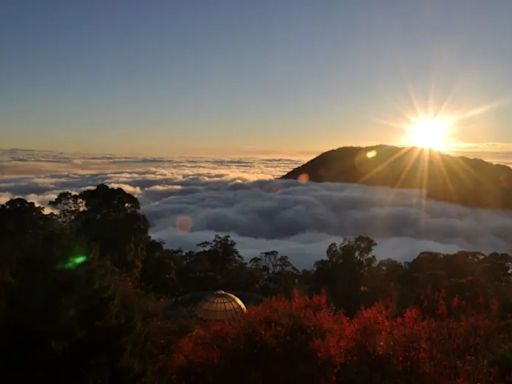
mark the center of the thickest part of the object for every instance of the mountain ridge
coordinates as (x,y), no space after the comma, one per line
(457,179)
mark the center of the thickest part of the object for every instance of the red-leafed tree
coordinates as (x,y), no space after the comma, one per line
(303,340)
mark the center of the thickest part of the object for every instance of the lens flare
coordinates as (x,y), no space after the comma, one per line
(371,154)
(184,224)
(303,178)
(72,262)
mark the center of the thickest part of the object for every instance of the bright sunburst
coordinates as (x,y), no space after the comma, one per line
(431,132)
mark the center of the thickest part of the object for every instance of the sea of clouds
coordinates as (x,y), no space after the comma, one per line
(189,200)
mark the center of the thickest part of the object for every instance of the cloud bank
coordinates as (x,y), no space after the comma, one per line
(189,200)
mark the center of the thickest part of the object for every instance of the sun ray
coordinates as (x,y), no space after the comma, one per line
(425,176)
(466,169)
(409,165)
(482,109)
(404,174)
(441,120)
(397,155)
(444,106)
(441,166)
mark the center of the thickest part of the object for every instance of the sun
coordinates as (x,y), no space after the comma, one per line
(430,132)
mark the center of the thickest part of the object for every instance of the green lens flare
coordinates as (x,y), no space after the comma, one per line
(72,262)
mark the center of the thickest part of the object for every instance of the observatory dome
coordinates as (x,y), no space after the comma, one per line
(220,306)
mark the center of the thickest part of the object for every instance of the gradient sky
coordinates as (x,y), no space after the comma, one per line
(232,77)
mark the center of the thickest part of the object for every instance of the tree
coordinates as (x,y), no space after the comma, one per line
(383,282)
(342,274)
(110,219)
(279,274)
(271,263)
(303,341)
(216,265)
(278,342)
(158,270)
(221,253)
(69,206)
(66,314)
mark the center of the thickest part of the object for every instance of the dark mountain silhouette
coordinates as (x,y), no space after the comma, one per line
(457,179)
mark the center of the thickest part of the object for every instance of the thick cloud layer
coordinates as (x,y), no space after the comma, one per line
(302,219)
(189,200)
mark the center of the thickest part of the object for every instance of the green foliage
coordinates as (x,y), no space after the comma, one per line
(158,270)
(217,265)
(342,274)
(66,312)
(85,297)
(108,218)
(279,276)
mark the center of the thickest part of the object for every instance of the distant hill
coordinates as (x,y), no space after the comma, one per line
(457,179)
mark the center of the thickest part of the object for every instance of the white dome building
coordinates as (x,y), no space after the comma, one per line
(220,306)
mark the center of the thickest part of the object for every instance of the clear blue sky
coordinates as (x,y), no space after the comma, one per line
(202,77)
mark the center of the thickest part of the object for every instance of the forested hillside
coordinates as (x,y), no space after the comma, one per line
(86,295)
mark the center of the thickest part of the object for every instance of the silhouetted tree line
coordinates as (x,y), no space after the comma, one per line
(86,295)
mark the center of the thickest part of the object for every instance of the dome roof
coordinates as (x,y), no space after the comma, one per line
(220,306)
